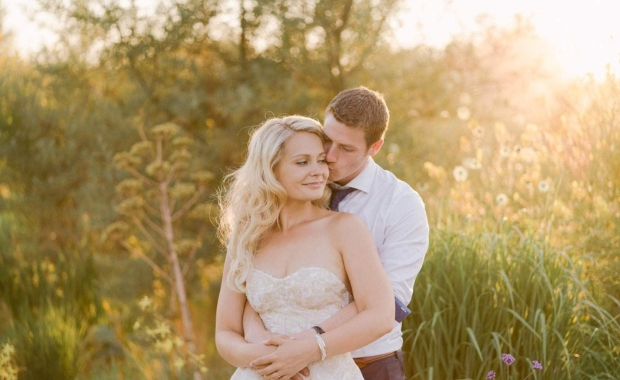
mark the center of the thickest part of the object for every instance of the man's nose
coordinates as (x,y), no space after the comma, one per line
(330,153)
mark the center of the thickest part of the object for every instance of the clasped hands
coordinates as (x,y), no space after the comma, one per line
(291,357)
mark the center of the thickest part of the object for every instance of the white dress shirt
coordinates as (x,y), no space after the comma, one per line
(396,218)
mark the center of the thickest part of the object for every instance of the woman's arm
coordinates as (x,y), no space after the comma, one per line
(229,327)
(371,287)
(372,291)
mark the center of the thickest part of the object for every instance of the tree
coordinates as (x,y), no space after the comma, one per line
(155,203)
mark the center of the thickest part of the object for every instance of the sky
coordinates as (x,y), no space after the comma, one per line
(585,34)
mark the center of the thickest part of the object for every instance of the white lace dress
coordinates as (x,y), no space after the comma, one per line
(295,303)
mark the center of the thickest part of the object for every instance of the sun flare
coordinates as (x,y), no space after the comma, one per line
(584,36)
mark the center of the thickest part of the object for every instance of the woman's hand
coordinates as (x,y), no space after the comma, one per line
(290,358)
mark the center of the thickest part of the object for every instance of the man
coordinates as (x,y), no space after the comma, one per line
(355,123)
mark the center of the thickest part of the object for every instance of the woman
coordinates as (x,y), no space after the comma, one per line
(295,261)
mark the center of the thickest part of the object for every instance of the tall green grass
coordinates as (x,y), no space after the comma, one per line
(479,296)
(50,302)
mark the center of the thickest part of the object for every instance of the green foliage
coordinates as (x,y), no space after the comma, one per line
(480,296)
(49,345)
(489,103)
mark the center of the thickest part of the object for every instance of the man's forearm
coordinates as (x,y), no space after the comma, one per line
(340,317)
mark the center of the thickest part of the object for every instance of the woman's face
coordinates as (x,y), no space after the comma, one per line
(302,170)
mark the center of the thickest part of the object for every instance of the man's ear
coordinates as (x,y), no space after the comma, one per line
(374,148)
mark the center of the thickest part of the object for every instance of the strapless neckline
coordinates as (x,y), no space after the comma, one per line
(297,272)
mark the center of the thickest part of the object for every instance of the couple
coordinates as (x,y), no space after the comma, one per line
(307,291)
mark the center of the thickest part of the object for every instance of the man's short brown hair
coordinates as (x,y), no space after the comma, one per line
(363,108)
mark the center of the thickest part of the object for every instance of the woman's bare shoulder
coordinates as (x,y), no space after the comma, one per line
(346,223)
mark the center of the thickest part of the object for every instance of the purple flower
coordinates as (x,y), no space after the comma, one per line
(508,359)
(536,364)
(491,375)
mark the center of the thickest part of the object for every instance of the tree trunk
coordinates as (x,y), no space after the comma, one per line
(188,328)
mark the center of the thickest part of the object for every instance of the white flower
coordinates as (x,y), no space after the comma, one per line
(465,98)
(460,173)
(501,199)
(544,186)
(472,163)
(528,154)
(478,132)
(504,151)
(463,113)
(422,186)
(394,148)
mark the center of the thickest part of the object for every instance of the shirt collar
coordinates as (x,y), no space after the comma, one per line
(364,180)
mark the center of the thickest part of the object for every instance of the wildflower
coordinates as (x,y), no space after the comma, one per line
(537,365)
(472,163)
(508,359)
(394,148)
(422,186)
(528,154)
(501,199)
(490,375)
(465,98)
(460,173)
(463,113)
(543,186)
(504,151)
(478,132)
(145,302)
(164,131)
(179,363)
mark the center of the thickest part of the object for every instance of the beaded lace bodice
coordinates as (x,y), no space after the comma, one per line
(298,301)
(295,303)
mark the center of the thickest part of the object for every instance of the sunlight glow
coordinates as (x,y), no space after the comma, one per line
(585,35)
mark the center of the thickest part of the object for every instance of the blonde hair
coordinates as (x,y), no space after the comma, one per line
(252,197)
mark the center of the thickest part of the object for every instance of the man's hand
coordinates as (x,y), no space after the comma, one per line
(290,358)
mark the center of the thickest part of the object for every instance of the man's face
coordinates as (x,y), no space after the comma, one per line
(347,153)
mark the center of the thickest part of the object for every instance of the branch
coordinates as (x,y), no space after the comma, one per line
(137,174)
(154,226)
(159,150)
(150,238)
(150,262)
(191,255)
(171,173)
(151,209)
(189,204)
